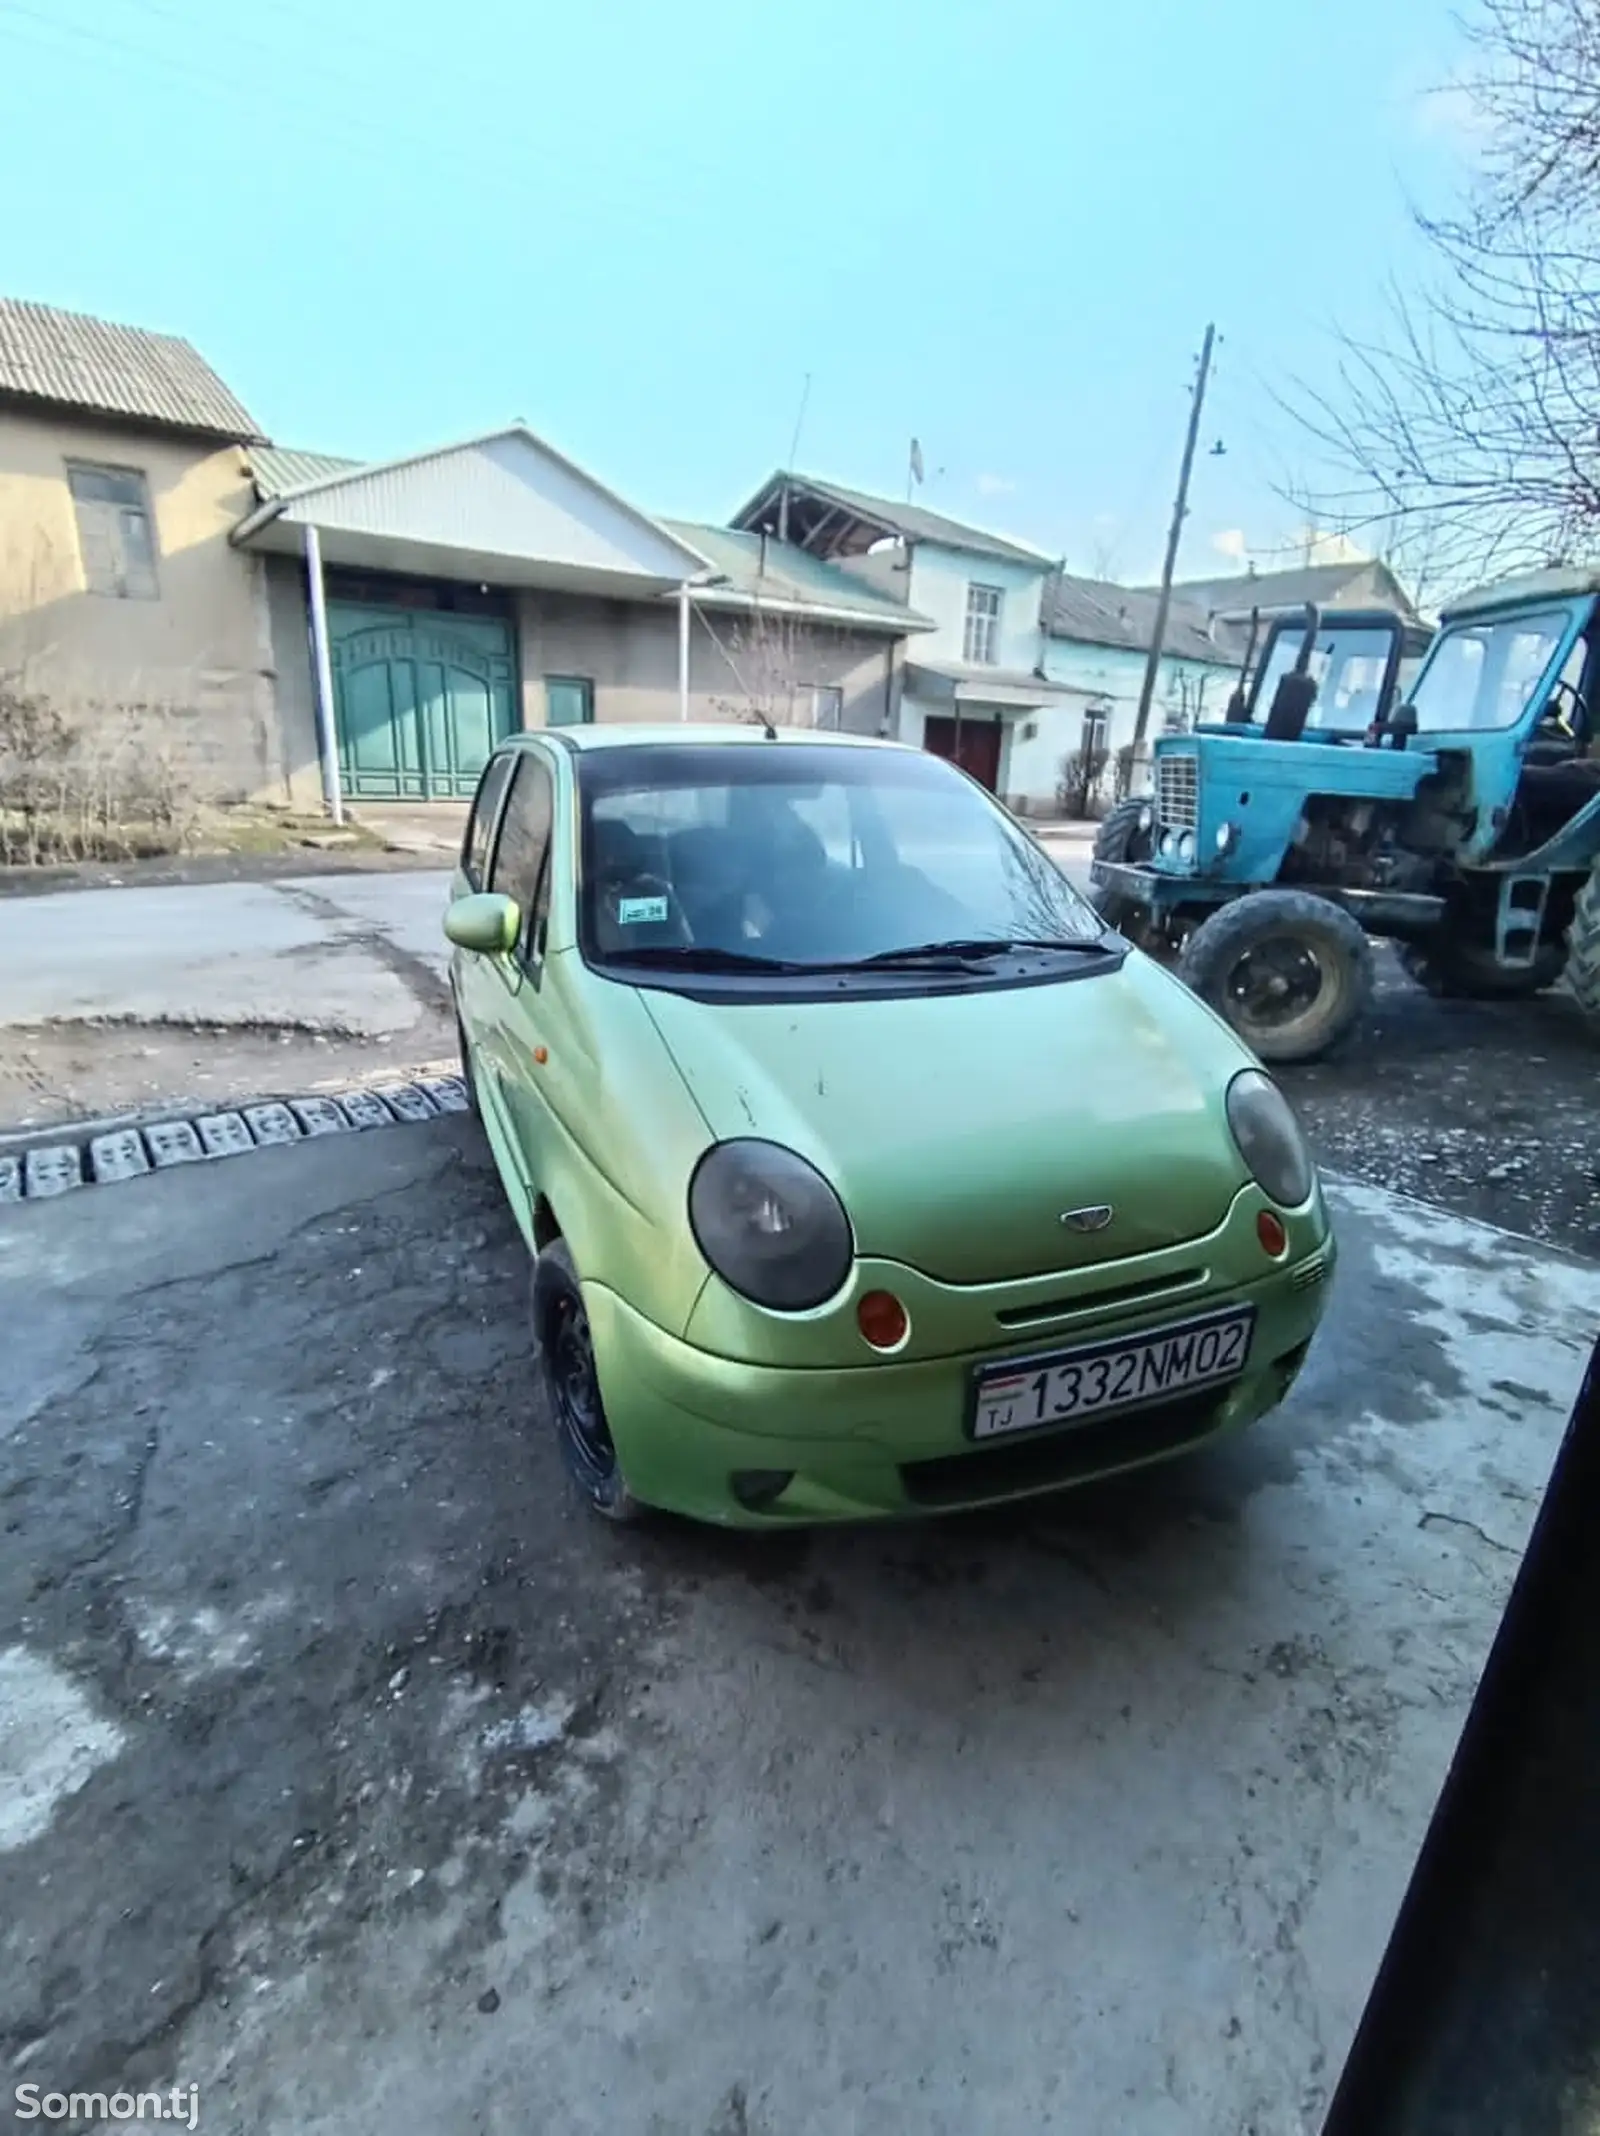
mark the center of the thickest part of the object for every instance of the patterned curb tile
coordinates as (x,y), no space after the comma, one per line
(130,1152)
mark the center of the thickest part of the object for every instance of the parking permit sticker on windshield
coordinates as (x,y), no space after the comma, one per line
(640,911)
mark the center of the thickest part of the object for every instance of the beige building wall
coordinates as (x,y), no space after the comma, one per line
(629,652)
(198,657)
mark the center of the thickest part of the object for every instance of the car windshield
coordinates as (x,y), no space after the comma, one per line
(1480,676)
(806,857)
(1348,667)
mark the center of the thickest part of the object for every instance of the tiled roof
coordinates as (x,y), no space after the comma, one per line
(788,574)
(1096,612)
(73,361)
(278,468)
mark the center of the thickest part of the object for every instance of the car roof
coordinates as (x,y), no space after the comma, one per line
(728,734)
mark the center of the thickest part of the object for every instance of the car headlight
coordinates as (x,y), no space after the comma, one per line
(1186,845)
(1269,1138)
(770,1224)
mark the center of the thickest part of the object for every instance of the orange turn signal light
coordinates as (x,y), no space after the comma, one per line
(882,1320)
(1269,1230)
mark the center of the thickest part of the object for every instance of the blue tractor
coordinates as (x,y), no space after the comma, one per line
(1456,815)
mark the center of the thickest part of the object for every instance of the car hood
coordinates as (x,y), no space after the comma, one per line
(960,1128)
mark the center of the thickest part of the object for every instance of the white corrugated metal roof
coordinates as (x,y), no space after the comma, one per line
(74,361)
(506,501)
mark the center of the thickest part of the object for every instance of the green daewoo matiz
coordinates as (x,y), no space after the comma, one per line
(865,1170)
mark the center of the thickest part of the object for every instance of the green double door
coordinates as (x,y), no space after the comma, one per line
(421,699)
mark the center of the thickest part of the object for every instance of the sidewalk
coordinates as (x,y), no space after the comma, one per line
(431,830)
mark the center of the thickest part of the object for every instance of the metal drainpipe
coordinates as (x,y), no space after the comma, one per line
(322,663)
(683,650)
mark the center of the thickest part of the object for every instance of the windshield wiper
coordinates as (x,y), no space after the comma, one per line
(688,957)
(967,949)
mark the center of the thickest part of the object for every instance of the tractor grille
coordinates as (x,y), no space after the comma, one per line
(1178,792)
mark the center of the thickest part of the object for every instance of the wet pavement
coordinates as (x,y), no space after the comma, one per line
(350,1774)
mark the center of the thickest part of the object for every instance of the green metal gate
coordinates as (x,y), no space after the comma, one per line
(421,700)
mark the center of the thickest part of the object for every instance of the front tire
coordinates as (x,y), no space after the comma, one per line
(1289,971)
(571,1387)
(1120,839)
(1583,947)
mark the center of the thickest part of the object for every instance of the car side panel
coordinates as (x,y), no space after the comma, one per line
(607,1133)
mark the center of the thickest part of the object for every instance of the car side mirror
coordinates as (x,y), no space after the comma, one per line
(487,922)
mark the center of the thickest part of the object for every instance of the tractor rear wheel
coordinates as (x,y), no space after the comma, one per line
(1122,837)
(1583,946)
(1455,972)
(1289,971)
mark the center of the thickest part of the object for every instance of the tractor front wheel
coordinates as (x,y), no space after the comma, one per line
(1291,972)
(1122,836)
(1583,947)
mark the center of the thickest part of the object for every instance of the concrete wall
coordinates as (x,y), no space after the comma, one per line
(629,652)
(198,655)
(289,629)
(939,581)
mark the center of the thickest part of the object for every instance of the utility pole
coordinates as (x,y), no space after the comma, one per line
(1180,511)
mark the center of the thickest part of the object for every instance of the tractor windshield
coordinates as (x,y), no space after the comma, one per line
(1348,667)
(1481,676)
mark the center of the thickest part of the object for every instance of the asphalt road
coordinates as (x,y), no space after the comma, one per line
(204,994)
(350,1775)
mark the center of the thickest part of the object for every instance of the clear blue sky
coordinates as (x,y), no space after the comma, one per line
(638,226)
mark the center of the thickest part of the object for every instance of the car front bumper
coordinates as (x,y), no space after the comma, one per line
(890,1438)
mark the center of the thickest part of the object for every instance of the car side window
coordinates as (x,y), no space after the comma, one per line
(480,824)
(522,850)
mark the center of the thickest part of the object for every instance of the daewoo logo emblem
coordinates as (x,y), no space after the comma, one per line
(1095,1219)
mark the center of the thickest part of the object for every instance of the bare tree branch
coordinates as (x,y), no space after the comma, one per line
(1473,426)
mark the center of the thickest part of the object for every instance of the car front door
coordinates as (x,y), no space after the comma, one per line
(470,979)
(506,995)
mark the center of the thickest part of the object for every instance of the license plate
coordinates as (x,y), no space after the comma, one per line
(1122,1373)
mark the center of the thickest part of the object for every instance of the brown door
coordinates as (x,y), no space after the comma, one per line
(974,744)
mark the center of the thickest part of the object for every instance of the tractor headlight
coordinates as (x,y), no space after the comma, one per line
(1169,844)
(770,1224)
(1186,846)
(1227,837)
(1269,1138)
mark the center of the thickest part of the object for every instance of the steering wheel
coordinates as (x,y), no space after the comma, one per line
(1565,716)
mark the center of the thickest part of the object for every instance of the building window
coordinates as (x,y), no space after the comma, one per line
(568,701)
(827,706)
(116,534)
(983,626)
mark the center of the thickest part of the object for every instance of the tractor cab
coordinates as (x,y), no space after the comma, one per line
(1509,701)
(1335,676)
(1454,809)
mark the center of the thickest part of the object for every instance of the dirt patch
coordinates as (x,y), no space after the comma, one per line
(1483,1108)
(91,1071)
